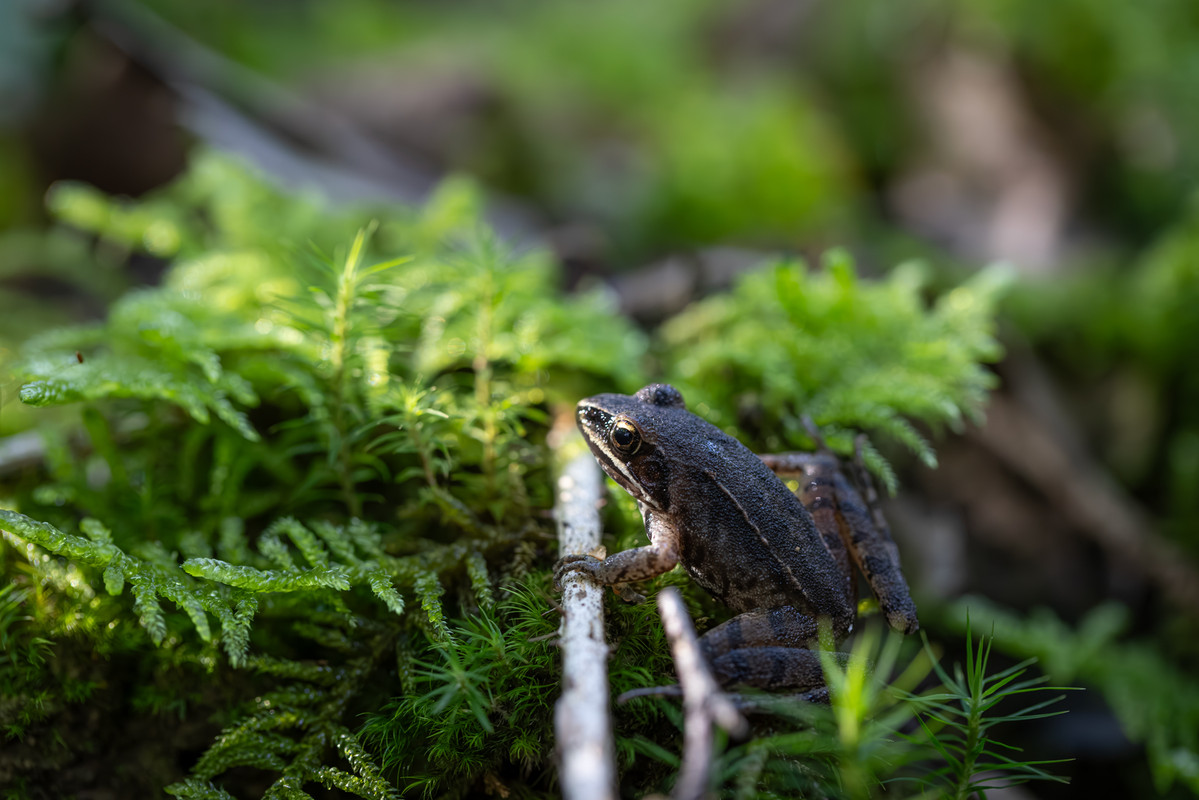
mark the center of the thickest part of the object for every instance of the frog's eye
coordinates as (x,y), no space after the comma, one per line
(625,437)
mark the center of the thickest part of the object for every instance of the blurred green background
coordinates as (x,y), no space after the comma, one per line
(661,147)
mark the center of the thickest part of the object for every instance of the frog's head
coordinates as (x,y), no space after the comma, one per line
(629,435)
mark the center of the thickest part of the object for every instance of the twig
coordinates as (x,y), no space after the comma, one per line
(703,702)
(1089,497)
(21,451)
(244,112)
(587,768)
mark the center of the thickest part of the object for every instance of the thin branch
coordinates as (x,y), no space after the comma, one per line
(587,768)
(703,703)
(242,111)
(1089,498)
(21,451)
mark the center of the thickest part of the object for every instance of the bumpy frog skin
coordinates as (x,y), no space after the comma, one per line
(712,505)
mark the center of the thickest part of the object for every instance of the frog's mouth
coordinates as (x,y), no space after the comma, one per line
(596,424)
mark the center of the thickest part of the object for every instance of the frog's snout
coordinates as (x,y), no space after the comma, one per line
(592,418)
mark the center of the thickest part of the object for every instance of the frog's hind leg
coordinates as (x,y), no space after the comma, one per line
(782,627)
(868,542)
(840,511)
(767,649)
(773,668)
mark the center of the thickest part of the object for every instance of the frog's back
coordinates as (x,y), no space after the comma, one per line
(747,539)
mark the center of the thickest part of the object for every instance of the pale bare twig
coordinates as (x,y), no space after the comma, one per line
(703,702)
(587,764)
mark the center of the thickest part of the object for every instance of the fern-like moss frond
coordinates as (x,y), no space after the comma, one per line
(853,355)
(258,580)
(149,581)
(337,453)
(158,345)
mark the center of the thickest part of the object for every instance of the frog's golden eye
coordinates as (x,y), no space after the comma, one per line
(625,437)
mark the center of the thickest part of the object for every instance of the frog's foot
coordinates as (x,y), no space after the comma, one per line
(769,668)
(814,433)
(775,668)
(819,695)
(575,562)
(673,690)
(774,703)
(745,703)
(768,649)
(628,593)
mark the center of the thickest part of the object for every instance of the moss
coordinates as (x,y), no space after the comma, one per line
(322,473)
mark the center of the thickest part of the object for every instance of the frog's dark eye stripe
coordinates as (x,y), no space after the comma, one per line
(625,437)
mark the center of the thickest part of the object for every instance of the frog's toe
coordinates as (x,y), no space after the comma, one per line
(626,592)
(574,562)
(902,616)
(819,695)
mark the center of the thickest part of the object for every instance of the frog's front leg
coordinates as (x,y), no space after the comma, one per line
(768,649)
(638,564)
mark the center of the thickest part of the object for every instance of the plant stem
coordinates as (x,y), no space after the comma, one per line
(422,451)
(976,664)
(340,341)
(482,368)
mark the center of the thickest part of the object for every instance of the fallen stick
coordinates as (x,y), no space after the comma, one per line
(704,705)
(587,763)
(1089,497)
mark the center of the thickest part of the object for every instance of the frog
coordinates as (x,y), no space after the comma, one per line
(783,562)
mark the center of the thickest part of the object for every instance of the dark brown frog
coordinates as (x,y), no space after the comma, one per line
(712,505)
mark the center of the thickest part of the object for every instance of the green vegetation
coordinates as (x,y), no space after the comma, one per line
(936,743)
(1157,704)
(850,354)
(297,447)
(324,477)
(275,482)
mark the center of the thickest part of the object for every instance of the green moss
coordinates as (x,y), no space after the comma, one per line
(853,355)
(319,450)
(321,471)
